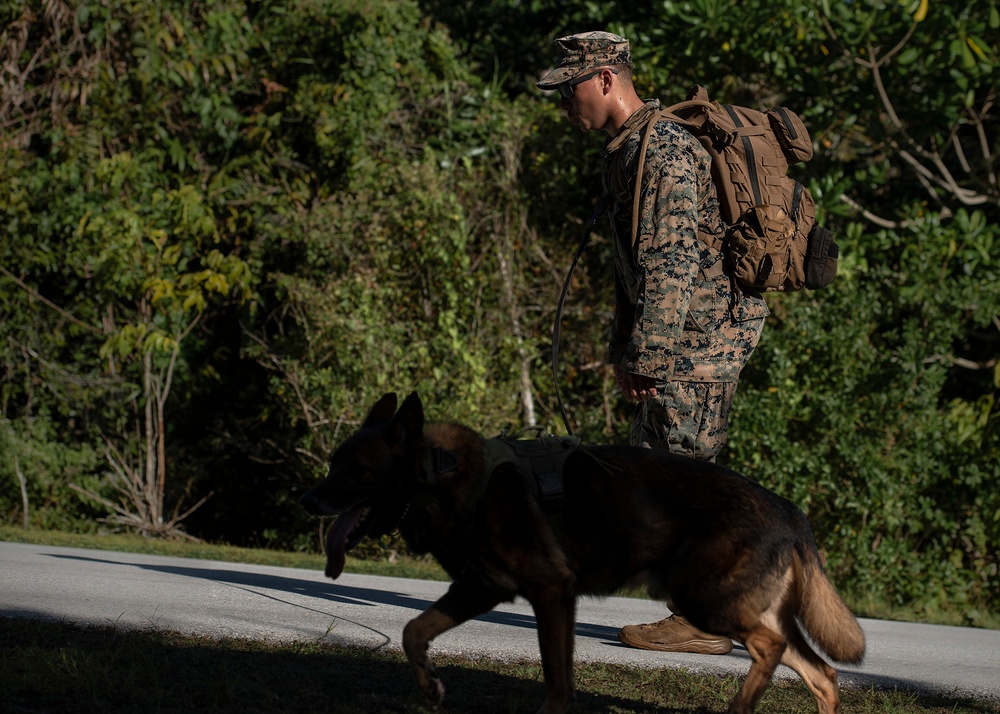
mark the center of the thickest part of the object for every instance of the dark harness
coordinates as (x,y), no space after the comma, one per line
(539,461)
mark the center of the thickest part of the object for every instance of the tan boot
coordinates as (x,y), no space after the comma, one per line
(674,634)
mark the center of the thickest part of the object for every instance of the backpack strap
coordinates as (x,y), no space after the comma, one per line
(647,130)
(670,114)
(717,268)
(689,104)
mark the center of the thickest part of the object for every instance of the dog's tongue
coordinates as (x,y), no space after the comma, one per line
(337,538)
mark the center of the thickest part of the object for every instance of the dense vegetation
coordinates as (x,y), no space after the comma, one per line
(226,228)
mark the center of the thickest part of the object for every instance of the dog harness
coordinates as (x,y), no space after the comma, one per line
(539,461)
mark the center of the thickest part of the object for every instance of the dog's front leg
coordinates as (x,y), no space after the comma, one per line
(555,613)
(462,602)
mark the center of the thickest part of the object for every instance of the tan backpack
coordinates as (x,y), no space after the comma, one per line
(773,241)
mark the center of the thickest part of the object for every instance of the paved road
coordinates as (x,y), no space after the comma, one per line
(226,599)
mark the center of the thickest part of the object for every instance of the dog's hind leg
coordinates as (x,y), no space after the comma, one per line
(766,648)
(820,677)
(462,602)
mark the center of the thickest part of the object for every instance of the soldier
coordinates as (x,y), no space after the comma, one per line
(682,330)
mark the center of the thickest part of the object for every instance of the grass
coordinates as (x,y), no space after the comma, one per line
(401,567)
(59,667)
(51,667)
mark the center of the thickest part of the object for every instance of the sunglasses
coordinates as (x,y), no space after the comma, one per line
(568,89)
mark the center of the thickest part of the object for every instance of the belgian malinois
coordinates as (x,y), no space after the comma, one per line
(734,558)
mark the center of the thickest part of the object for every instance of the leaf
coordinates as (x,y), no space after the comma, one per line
(968,60)
(171,254)
(194,301)
(214,259)
(971,41)
(921,12)
(908,56)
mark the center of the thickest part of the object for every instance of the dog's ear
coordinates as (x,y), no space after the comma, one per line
(409,420)
(382,412)
(408,424)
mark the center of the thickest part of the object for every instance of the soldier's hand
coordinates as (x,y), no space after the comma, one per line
(637,387)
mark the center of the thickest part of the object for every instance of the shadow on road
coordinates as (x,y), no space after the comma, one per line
(333,592)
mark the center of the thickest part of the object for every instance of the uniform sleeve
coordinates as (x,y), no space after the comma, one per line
(667,255)
(621,325)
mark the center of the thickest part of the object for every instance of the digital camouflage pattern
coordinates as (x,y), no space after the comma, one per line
(690,418)
(585,51)
(677,317)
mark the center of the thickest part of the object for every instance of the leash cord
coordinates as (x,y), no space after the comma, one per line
(584,240)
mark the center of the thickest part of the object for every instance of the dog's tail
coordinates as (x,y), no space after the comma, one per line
(823,614)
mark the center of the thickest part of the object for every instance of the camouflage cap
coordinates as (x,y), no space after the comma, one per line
(585,51)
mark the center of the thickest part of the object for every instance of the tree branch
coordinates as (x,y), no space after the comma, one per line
(962,362)
(44,300)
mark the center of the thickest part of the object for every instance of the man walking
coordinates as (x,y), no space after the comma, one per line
(682,330)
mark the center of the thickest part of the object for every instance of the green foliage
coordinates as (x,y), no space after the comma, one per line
(118,233)
(377,296)
(871,403)
(257,218)
(861,408)
(36,456)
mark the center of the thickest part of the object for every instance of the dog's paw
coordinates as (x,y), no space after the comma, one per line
(430,685)
(434,694)
(552,706)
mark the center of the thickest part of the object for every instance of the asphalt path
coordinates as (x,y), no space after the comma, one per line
(218,599)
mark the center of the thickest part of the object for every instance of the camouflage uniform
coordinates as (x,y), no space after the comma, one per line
(677,317)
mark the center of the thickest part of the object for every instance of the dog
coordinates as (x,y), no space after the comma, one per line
(734,558)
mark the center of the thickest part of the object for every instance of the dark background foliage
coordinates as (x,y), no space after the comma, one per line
(227,228)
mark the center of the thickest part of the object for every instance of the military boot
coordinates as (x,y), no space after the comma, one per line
(674,634)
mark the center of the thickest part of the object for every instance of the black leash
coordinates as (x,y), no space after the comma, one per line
(588,227)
